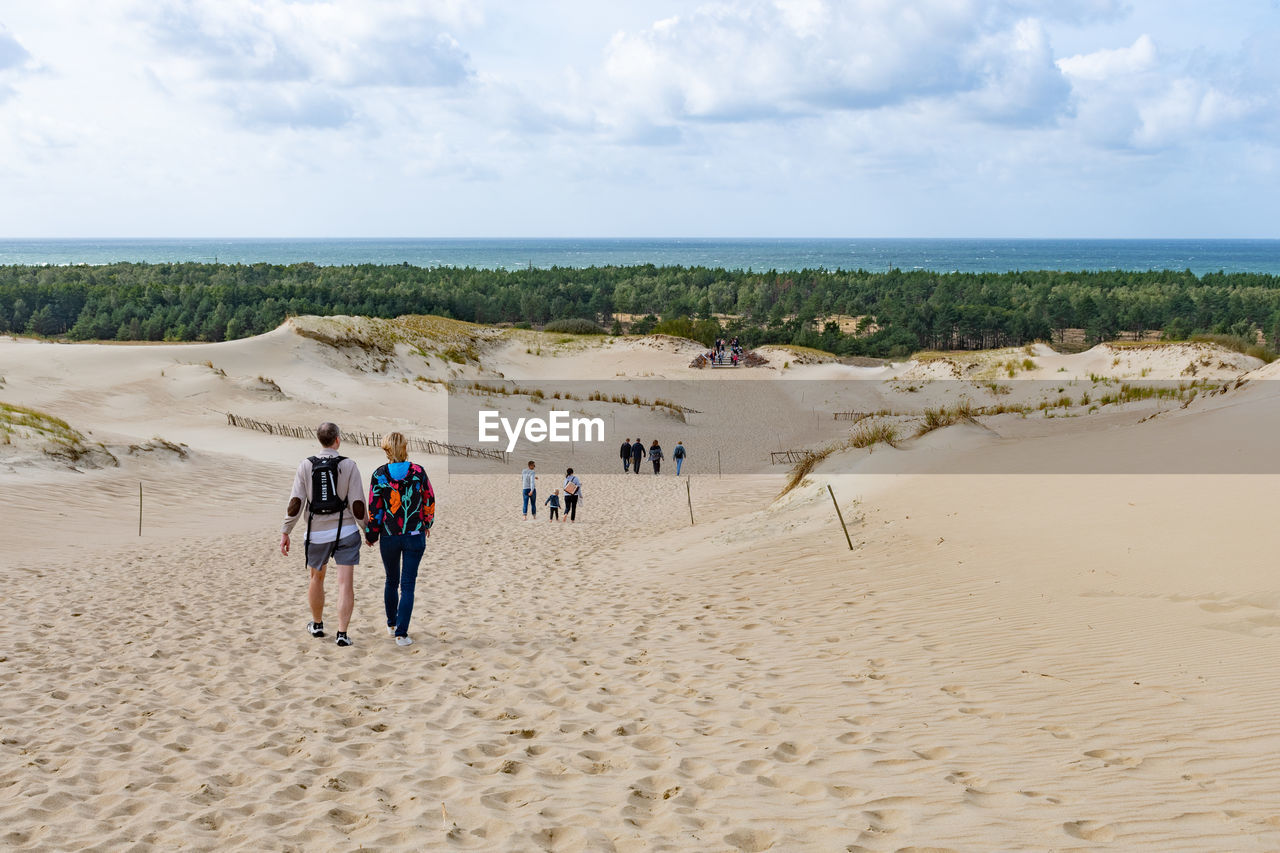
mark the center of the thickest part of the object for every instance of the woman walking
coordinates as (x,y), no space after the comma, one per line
(572,493)
(402,508)
(655,456)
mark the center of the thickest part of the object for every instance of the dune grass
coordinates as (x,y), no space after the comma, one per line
(864,436)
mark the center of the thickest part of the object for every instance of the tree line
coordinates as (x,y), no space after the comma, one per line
(911,310)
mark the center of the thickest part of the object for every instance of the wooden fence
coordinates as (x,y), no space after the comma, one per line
(788,457)
(371,439)
(849,416)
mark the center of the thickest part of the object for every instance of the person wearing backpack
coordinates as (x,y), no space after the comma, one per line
(655,456)
(572,494)
(329,489)
(402,508)
(678,454)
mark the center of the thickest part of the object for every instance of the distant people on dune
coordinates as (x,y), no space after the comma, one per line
(529,490)
(625,453)
(402,508)
(655,456)
(324,486)
(572,495)
(678,453)
(637,453)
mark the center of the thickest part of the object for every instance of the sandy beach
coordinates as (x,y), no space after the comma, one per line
(1012,661)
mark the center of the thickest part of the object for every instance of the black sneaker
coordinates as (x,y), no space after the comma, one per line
(315,629)
(343,639)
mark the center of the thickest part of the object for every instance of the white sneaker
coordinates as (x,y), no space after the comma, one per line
(391,630)
(404,641)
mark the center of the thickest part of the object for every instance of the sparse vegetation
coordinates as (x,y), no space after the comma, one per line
(1239,344)
(63,442)
(945,417)
(864,436)
(574,326)
(872,434)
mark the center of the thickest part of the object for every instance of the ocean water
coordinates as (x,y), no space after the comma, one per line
(941,255)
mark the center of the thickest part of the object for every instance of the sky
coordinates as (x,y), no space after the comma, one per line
(639,118)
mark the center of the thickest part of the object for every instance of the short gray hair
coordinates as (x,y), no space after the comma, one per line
(328,433)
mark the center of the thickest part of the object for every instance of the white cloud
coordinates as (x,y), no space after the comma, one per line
(1020,82)
(289,107)
(14,58)
(1186,108)
(12,54)
(1104,65)
(788,58)
(1133,97)
(338,43)
(291,63)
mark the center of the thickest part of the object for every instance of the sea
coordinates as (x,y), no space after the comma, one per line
(758,255)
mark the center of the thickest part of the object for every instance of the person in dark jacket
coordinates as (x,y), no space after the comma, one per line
(637,453)
(678,454)
(655,456)
(625,453)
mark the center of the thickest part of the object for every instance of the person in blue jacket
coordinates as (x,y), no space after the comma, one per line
(678,454)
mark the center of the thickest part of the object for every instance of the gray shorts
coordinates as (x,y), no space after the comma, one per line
(346,552)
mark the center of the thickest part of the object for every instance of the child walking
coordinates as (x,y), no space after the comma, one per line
(554,503)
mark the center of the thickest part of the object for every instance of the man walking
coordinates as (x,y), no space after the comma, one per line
(637,453)
(529,488)
(678,454)
(328,487)
(625,453)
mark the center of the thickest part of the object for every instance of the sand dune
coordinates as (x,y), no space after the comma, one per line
(1002,662)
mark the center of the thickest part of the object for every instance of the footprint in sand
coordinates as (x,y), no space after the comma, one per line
(1089,830)
(1060,732)
(562,839)
(751,840)
(936,753)
(793,751)
(886,821)
(1111,758)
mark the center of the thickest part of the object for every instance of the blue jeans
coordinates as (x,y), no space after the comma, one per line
(679,459)
(397,595)
(530,500)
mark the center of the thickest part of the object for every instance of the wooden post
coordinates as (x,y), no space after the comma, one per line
(689,496)
(840,516)
(139,507)
(719,470)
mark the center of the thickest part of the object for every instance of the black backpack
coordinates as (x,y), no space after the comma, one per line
(325,499)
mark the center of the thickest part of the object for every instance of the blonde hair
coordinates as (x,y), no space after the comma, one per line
(396,447)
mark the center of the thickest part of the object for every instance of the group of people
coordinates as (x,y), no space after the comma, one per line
(397,517)
(725,352)
(632,454)
(572,487)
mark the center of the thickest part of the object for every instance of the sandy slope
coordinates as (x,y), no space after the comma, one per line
(1003,662)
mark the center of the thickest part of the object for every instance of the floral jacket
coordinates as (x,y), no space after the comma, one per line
(400,506)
